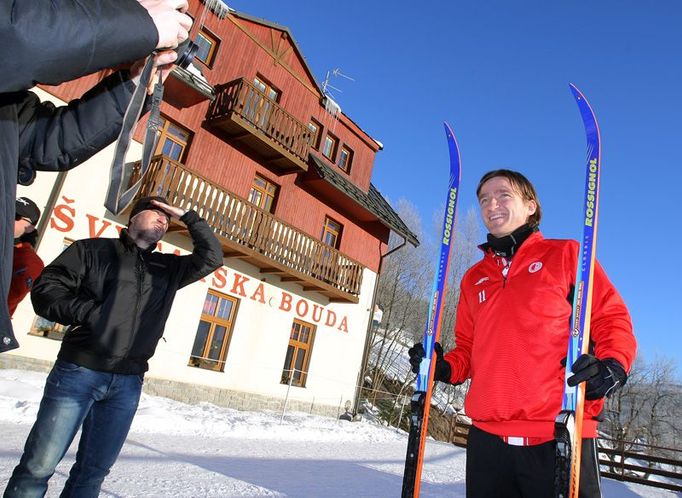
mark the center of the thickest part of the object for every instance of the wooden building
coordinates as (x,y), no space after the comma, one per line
(251,142)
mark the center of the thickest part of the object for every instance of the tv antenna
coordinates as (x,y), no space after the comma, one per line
(326,85)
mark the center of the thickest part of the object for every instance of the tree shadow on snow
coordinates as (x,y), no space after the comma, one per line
(307,478)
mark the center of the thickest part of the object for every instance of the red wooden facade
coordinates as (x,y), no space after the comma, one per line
(250,48)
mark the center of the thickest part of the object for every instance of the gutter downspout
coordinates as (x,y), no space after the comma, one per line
(368,335)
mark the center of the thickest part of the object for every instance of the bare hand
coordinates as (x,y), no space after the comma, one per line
(171,20)
(174,212)
(163,61)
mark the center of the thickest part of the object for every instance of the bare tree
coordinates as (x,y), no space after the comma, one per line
(404,292)
(660,417)
(464,254)
(400,294)
(645,411)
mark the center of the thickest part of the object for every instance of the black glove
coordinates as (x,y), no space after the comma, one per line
(604,377)
(417,353)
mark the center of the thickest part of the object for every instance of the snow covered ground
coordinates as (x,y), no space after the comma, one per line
(180,450)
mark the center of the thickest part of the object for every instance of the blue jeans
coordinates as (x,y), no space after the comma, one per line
(103,403)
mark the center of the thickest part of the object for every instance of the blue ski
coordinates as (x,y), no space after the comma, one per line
(421,399)
(568,425)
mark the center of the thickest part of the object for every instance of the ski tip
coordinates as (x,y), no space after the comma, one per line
(585,108)
(576,93)
(451,135)
(448,128)
(453,147)
(449,132)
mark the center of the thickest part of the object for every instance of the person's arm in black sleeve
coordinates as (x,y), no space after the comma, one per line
(60,138)
(52,42)
(58,294)
(207,254)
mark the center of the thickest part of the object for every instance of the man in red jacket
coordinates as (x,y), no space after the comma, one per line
(511,338)
(26,265)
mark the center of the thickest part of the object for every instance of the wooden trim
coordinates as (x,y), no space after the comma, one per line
(350,124)
(213,51)
(275,57)
(214,321)
(165,135)
(334,147)
(288,370)
(330,227)
(349,160)
(268,192)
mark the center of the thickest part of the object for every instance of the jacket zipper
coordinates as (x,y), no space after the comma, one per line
(139,276)
(505,275)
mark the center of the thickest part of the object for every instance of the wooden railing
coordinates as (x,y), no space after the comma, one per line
(242,98)
(641,463)
(237,220)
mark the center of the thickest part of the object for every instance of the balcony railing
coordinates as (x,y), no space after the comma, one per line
(245,113)
(255,235)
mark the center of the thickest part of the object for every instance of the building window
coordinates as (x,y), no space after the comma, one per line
(208,47)
(331,143)
(43,327)
(345,158)
(300,348)
(260,102)
(316,133)
(263,194)
(214,332)
(270,91)
(331,232)
(173,141)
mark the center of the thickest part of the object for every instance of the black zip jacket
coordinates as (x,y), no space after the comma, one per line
(116,297)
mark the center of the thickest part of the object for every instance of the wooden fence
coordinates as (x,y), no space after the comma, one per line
(238,220)
(643,466)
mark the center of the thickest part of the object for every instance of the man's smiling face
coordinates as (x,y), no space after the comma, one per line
(503,208)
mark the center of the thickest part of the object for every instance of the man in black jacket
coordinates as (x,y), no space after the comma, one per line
(115,295)
(50,42)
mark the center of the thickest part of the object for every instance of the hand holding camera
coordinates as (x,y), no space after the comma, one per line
(174,46)
(171,20)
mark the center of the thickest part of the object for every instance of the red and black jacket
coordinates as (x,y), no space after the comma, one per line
(26,267)
(511,335)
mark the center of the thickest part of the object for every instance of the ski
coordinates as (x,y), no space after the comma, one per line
(421,399)
(569,422)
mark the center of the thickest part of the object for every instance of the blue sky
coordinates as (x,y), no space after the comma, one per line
(498,71)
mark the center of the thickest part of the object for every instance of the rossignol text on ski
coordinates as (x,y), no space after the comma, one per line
(421,399)
(569,422)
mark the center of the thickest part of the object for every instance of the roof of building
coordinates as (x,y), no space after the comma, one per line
(279,27)
(274,25)
(372,200)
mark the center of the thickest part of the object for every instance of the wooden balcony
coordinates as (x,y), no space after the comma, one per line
(245,114)
(250,233)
